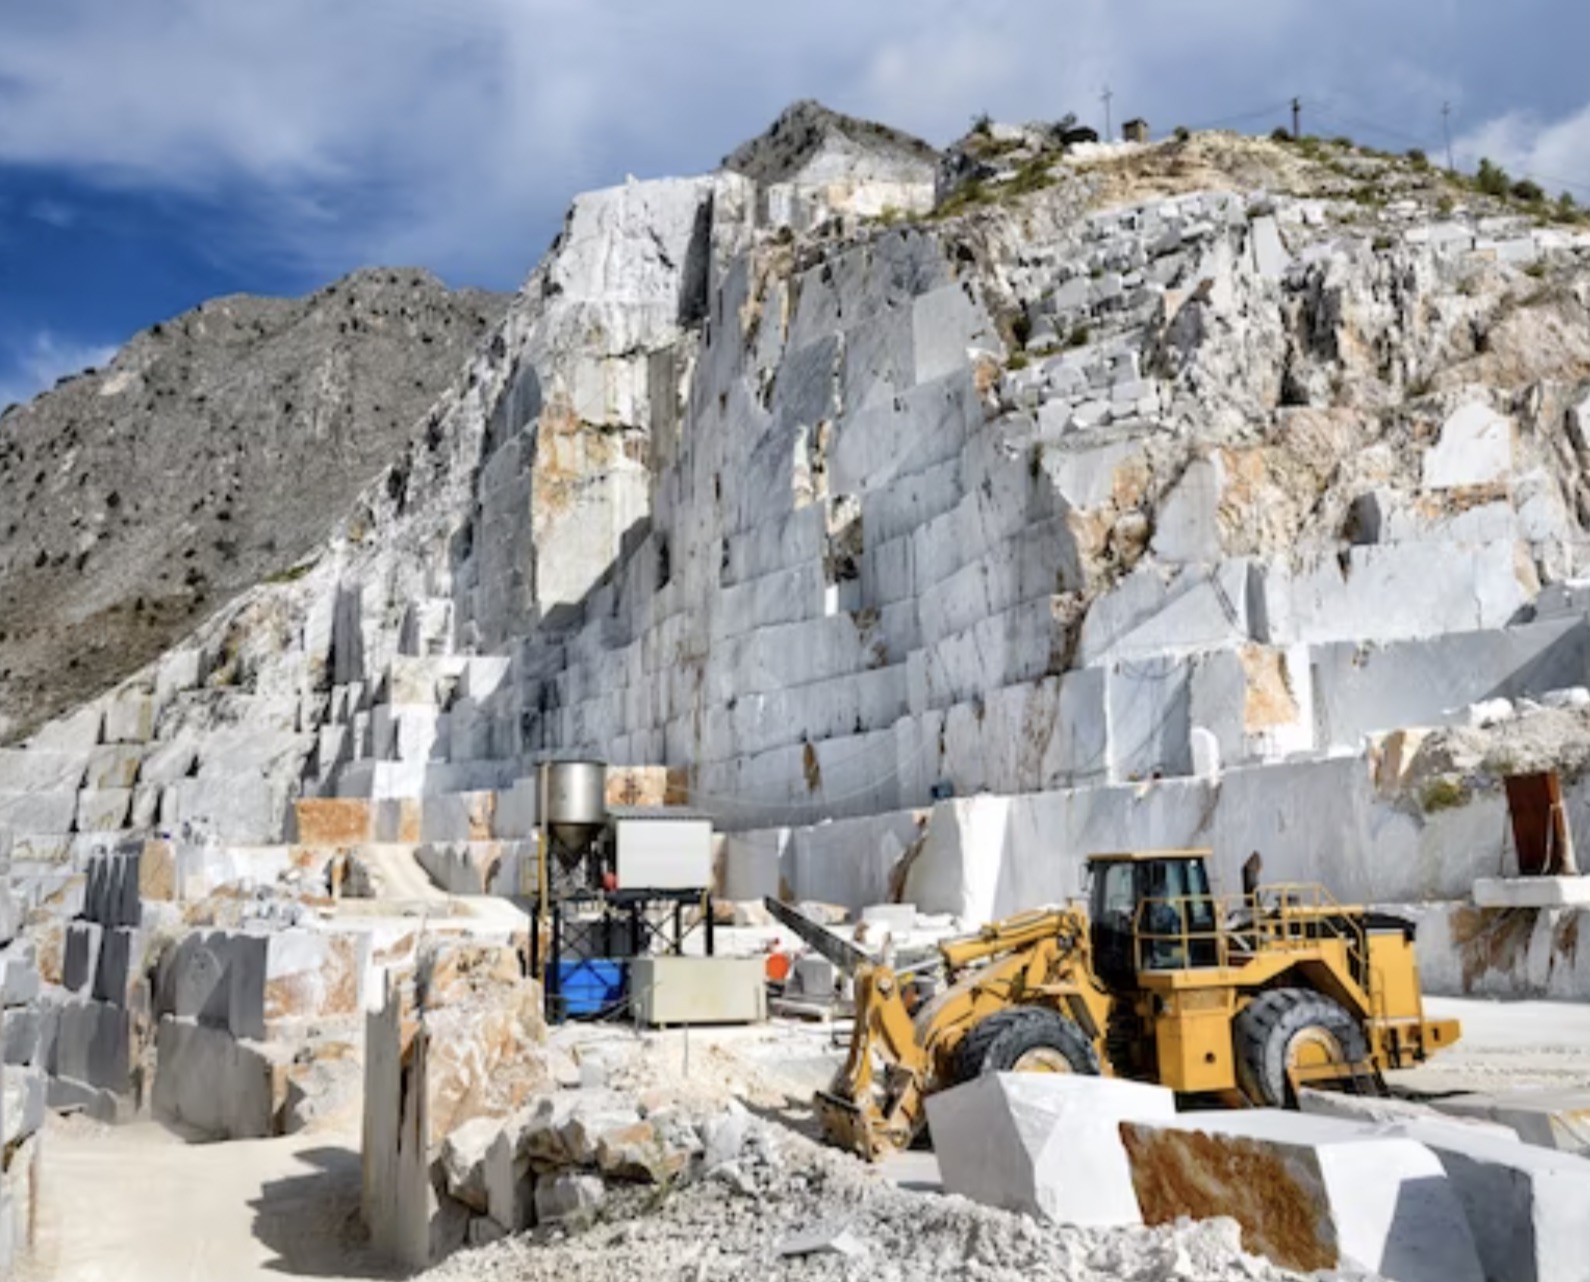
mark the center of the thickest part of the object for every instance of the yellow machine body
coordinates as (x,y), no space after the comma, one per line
(1150,987)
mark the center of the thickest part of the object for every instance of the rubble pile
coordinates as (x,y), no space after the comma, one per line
(786,1209)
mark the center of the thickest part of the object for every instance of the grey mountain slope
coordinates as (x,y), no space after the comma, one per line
(214,451)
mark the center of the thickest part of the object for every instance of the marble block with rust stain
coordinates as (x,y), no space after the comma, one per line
(1309,1192)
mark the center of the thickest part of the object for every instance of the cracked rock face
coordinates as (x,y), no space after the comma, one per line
(215,450)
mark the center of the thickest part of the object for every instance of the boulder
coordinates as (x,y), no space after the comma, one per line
(1045,1145)
(1309,1192)
(463,1160)
(650,1152)
(567,1196)
(590,1118)
(723,1135)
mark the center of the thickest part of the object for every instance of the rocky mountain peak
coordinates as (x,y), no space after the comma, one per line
(804,128)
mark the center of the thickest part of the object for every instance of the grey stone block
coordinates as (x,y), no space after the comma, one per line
(94,1044)
(207,1080)
(119,971)
(195,981)
(19,975)
(21,1041)
(22,1101)
(112,892)
(38,811)
(130,718)
(1525,1205)
(80,962)
(30,769)
(113,766)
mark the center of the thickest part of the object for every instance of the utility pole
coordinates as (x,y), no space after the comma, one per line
(1446,128)
(1297,117)
(1106,96)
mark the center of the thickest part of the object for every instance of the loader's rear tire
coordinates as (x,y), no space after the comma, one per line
(1024,1039)
(1287,1028)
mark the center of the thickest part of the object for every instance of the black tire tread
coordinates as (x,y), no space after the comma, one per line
(992,1044)
(1266,1026)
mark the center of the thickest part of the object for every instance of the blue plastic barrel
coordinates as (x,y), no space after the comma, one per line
(587,987)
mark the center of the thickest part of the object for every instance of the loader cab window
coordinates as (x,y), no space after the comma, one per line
(1178,917)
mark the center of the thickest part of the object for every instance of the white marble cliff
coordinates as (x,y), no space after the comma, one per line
(933,526)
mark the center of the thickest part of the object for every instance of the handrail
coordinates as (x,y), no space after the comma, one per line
(1284,917)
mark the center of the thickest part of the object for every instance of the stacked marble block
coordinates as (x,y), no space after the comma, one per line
(165,752)
(812,664)
(101,1031)
(242,1016)
(473,842)
(23,1089)
(430,723)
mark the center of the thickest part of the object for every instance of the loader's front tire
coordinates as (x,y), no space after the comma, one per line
(1286,1028)
(1024,1039)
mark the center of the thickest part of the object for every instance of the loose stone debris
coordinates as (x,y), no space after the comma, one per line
(784,1192)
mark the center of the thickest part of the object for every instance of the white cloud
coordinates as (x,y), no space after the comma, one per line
(1555,153)
(451,133)
(36,364)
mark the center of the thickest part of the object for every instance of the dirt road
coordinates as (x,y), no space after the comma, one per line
(136,1204)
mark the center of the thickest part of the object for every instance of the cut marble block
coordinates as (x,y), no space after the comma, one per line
(1526,1206)
(1531,892)
(1309,1192)
(1046,1145)
(1558,1119)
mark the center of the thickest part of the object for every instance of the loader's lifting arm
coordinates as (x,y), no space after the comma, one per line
(876,1100)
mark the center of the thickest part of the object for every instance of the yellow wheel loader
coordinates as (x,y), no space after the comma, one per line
(1239,1002)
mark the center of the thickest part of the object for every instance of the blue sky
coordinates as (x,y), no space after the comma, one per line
(154,153)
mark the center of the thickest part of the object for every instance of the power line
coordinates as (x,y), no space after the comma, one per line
(1240,117)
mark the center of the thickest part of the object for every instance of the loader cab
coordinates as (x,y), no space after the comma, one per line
(1151,910)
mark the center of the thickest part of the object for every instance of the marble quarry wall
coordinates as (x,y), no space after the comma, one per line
(926,558)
